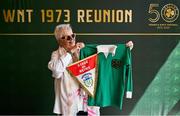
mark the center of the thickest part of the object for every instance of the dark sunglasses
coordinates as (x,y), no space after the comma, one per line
(69,37)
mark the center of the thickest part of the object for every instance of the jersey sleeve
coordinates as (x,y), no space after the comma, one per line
(129,81)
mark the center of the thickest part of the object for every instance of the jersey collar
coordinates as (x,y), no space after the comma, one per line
(106,49)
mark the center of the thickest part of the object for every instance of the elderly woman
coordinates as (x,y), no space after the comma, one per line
(69,98)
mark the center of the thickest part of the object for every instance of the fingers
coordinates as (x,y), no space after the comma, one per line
(77,47)
(80,45)
(130,44)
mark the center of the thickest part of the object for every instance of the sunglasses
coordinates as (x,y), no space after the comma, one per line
(69,37)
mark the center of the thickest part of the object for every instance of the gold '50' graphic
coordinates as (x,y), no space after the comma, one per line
(169,13)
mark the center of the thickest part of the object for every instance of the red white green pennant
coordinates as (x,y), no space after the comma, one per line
(84,71)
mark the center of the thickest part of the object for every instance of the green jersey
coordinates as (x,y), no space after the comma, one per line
(114,74)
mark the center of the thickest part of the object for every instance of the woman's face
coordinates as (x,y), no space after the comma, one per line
(66,39)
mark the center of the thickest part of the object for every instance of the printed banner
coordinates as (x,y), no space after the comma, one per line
(84,71)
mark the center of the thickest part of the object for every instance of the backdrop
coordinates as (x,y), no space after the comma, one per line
(27,40)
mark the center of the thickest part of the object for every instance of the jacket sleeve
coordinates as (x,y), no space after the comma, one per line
(129,81)
(58,64)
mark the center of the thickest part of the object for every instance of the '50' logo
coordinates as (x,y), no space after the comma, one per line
(169,13)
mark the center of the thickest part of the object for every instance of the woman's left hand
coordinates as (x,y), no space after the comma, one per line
(130,45)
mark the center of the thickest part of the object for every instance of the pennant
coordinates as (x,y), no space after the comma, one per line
(84,71)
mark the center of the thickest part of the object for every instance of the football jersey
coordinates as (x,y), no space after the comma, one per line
(114,74)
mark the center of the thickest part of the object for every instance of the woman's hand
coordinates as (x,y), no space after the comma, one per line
(130,45)
(75,51)
(80,45)
(77,47)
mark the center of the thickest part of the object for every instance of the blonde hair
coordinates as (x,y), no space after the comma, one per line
(60,27)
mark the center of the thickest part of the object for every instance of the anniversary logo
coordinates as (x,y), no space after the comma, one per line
(169,14)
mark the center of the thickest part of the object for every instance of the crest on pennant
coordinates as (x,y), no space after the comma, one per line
(84,71)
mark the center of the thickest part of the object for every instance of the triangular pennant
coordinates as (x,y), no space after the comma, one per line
(84,71)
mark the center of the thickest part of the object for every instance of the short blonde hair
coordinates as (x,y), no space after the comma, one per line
(60,27)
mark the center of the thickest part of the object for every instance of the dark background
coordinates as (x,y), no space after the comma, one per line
(26,85)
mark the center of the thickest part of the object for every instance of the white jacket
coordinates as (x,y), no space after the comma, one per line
(69,97)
